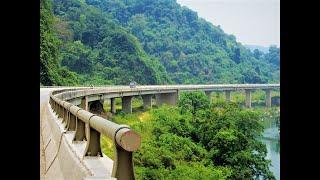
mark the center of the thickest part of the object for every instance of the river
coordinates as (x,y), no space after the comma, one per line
(271,137)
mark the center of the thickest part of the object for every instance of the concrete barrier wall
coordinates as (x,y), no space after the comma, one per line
(64,159)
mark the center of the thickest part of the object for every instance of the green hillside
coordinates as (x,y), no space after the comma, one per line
(191,49)
(151,42)
(51,73)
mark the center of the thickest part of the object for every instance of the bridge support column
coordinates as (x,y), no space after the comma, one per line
(167,98)
(54,105)
(66,118)
(268,98)
(84,103)
(126,104)
(123,165)
(60,112)
(228,95)
(248,98)
(93,147)
(72,123)
(80,131)
(113,105)
(147,101)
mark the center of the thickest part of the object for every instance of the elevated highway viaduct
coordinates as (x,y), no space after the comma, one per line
(71,126)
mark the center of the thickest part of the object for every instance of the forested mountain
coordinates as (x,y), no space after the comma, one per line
(191,49)
(148,41)
(51,73)
(101,51)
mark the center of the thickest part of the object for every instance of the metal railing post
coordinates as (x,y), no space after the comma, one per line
(80,130)
(93,145)
(65,117)
(60,113)
(123,163)
(72,123)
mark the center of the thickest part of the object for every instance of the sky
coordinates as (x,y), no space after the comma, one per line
(253,22)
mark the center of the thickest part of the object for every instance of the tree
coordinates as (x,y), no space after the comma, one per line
(48,46)
(193,102)
(257,53)
(273,56)
(218,142)
(137,24)
(78,58)
(229,134)
(237,55)
(50,70)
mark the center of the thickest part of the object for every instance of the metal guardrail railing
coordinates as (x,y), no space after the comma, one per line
(88,126)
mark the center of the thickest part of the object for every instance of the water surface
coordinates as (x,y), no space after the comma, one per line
(271,137)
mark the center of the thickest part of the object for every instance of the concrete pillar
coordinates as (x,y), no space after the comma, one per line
(96,107)
(113,105)
(268,98)
(209,95)
(147,101)
(167,98)
(84,103)
(228,95)
(248,98)
(126,104)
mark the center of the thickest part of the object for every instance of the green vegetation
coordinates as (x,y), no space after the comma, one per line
(51,73)
(191,49)
(197,140)
(99,50)
(104,42)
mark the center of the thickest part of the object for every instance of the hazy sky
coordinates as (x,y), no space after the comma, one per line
(254,22)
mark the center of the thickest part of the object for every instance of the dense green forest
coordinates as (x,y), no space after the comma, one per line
(191,49)
(197,139)
(51,72)
(150,41)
